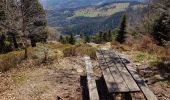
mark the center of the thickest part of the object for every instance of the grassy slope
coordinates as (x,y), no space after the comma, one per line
(102,11)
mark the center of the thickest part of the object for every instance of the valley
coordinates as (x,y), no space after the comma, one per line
(90,19)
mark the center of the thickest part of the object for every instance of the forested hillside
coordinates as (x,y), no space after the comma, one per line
(154,21)
(90,19)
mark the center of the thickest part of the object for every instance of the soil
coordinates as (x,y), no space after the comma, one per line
(43,82)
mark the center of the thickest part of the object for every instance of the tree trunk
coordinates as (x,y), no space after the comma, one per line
(25,53)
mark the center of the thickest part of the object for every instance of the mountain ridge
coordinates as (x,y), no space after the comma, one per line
(89,19)
(60,4)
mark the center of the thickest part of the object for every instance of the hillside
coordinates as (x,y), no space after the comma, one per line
(88,49)
(90,19)
(60,4)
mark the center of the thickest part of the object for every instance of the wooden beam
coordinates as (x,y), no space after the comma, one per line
(142,85)
(110,81)
(115,73)
(130,82)
(93,93)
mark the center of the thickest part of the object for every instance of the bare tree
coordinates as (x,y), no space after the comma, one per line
(29,10)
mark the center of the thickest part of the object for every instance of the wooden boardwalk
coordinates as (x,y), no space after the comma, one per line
(117,77)
(93,93)
(120,78)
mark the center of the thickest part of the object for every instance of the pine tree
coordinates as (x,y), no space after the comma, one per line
(72,39)
(61,39)
(66,39)
(100,37)
(87,39)
(82,35)
(109,36)
(4,44)
(121,35)
(161,29)
(105,37)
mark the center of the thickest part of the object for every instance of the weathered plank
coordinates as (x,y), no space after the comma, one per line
(128,79)
(115,73)
(110,81)
(93,93)
(141,83)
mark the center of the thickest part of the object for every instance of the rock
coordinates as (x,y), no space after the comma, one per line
(166,75)
(158,77)
(79,70)
(138,64)
(66,95)
(59,98)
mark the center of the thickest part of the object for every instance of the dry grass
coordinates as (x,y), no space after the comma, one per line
(12,59)
(144,57)
(120,47)
(80,50)
(144,50)
(69,51)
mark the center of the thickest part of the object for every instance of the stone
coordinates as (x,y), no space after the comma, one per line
(79,70)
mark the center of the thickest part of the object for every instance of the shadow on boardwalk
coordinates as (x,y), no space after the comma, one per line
(101,87)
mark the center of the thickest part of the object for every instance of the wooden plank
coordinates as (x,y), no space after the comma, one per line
(143,86)
(130,82)
(110,81)
(115,73)
(93,93)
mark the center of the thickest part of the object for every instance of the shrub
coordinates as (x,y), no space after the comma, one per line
(10,60)
(5,45)
(163,53)
(130,41)
(80,50)
(85,49)
(40,23)
(70,51)
(2,15)
(144,56)
(145,44)
(120,47)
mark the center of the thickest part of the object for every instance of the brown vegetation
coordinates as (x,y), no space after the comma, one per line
(11,60)
(80,50)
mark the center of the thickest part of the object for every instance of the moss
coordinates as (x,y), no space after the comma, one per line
(144,56)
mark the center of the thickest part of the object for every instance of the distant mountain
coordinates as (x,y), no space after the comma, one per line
(62,4)
(87,16)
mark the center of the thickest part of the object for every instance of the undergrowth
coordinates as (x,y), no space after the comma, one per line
(80,50)
(12,59)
